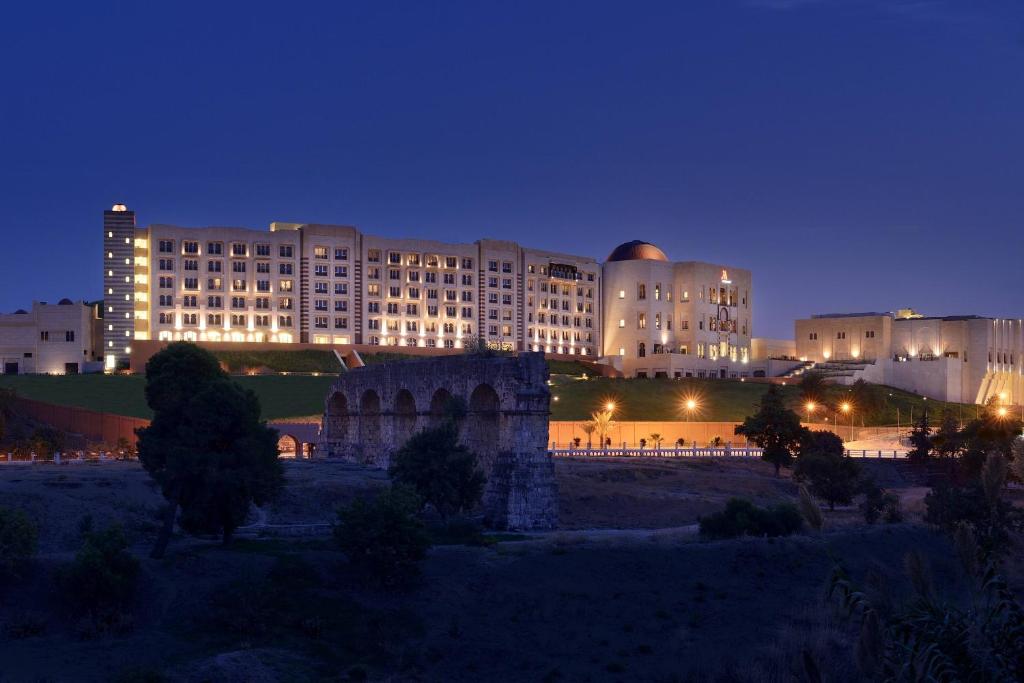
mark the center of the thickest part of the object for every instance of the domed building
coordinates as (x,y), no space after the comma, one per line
(674,319)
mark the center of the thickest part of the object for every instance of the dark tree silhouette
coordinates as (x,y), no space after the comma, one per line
(774,428)
(206,446)
(439,469)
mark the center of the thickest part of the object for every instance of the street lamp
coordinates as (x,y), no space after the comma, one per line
(610,406)
(848,409)
(690,405)
(809,406)
(1001,412)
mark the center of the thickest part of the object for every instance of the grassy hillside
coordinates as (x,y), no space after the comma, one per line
(636,399)
(280,395)
(305,360)
(718,400)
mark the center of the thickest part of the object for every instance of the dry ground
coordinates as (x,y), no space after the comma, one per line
(558,607)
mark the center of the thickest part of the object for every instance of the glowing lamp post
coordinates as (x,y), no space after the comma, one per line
(809,407)
(691,406)
(848,409)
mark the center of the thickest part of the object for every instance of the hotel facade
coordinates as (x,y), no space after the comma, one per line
(964,359)
(333,284)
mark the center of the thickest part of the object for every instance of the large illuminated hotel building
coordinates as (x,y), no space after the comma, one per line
(302,283)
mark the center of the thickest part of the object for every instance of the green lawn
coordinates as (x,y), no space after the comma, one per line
(285,396)
(717,400)
(280,395)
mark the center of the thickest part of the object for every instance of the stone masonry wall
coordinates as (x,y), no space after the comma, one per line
(370,412)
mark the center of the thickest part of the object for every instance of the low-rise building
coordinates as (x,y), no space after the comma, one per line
(61,338)
(966,359)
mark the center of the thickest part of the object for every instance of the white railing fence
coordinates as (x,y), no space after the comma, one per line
(695,452)
(68,458)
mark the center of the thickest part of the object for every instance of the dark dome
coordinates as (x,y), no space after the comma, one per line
(21,311)
(64,302)
(636,251)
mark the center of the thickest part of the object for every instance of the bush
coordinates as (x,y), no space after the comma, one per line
(441,471)
(46,441)
(947,507)
(743,518)
(382,537)
(880,504)
(99,584)
(18,535)
(830,476)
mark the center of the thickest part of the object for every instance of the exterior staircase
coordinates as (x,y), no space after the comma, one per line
(798,370)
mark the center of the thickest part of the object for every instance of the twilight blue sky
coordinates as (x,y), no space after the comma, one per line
(855,154)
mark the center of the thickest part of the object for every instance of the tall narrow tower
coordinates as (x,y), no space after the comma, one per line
(118,285)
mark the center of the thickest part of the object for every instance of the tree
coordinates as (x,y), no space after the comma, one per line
(990,432)
(820,441)
(100,582)
(831,475)
(589,428)
(603,424)
(774,428)
(441,471)
(18,535)
(920,439)
(946,441)
(46,441)
(1017,464)
(206,446)
(382,537)
(657,439)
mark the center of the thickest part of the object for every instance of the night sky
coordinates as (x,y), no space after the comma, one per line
(855,154)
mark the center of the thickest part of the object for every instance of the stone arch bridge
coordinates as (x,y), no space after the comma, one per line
(371,412)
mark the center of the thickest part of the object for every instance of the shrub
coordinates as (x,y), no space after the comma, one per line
(743,518)
(880,504)
(441,471)
(947,507)
(99,584)
(831,476)
(382,537)
(46,441)
(18,535)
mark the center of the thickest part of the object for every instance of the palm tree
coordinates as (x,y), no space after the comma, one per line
(589,428)
(657,439)
(603,423)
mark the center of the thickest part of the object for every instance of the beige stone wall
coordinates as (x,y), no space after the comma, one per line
(762,348)
(867,337)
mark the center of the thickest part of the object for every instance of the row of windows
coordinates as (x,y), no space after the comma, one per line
(564,289)
(240,249)
(237,302)
(715,295)
(868,334)
(217,319)
(66,335)
(217,266)
(561,273)
(430,260)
